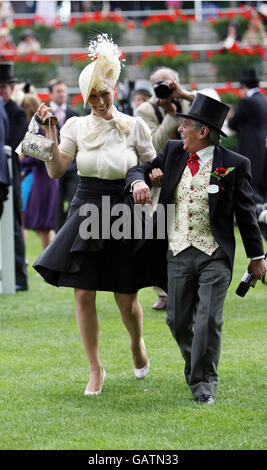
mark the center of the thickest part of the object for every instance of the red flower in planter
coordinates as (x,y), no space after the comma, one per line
(146,23)
(71,22)
(210,54)
(130,25)
(78,56)
(23,21)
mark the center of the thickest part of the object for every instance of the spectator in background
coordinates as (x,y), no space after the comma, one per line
(232,35)
(69,181)
(138,97)
(250,122)
(4,173)
(6,41)
(28,44)
(6,13)
(255,34)
(18,96)
(41,208)
(17,130)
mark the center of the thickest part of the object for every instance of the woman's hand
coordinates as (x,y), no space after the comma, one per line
(141,193)
(156,177)
(45,113)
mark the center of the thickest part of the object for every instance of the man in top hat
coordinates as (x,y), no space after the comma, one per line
(250,122)
(17,130)
(208,185)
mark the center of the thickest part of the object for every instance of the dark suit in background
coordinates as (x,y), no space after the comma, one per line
(250,123)
(4,173)
(17,130)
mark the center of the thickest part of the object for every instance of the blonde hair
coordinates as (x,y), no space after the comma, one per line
(30,103)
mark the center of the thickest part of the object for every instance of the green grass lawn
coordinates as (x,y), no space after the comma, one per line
(44,372)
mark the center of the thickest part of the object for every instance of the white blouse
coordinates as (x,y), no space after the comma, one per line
(106,149)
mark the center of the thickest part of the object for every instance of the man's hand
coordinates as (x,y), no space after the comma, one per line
(257,267)
(179,92)
(156,177)
(141,193)
(166,104)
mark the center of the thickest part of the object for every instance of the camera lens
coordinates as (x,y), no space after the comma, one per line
(162,90)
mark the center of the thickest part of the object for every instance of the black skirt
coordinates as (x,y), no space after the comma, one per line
(85,255)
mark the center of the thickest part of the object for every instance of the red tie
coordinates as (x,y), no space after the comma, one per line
(193,163)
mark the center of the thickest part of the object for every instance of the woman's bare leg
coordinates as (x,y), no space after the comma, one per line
(132,317)
(88,324)
(45,237)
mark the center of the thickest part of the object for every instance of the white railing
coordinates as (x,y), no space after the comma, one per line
(7,248)
(59,51)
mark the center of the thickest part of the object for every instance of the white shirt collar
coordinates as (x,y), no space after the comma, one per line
(205,154)
(252,91)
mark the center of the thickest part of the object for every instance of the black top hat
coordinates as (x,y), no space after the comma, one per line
(6,72)
(208,111)
(248,76)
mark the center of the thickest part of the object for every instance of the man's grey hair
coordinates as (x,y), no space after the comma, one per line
(175,74)
(213,138)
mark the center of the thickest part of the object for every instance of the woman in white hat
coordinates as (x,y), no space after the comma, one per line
(106,144)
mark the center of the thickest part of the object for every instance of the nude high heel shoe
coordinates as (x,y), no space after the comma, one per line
(97,392)
(142,373)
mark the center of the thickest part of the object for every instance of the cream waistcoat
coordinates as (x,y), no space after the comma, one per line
(191,226)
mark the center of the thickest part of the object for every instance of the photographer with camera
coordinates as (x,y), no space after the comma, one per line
(160,114)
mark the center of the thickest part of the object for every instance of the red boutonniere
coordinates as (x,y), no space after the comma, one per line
(220,172)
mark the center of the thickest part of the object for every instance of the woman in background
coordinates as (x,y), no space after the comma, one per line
(40,210)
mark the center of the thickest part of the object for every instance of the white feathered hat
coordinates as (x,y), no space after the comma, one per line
(105,69)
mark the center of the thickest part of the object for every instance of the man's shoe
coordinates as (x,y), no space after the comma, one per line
(21,288)
(205,399)
(160,304)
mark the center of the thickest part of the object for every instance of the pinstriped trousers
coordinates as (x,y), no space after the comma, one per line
(197,286)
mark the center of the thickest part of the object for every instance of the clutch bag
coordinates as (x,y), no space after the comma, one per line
(38,146)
